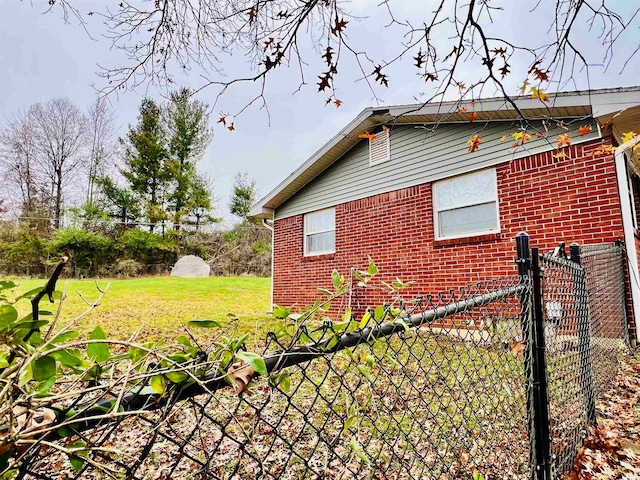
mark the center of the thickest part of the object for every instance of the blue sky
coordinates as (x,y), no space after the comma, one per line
(42,57)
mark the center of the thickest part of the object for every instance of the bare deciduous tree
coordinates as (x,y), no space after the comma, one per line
(17,161)
(59,134)
(102,137)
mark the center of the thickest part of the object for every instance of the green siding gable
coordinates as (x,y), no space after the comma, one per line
(418,156)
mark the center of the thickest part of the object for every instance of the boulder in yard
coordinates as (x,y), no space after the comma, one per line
(190,266)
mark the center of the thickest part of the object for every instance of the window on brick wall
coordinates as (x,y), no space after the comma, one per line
(466,205)
(320,232)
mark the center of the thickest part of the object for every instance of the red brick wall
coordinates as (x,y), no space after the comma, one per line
(569,200)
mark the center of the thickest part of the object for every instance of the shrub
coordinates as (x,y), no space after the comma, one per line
(129,268)
(149,248)
(87,251)
(23,252)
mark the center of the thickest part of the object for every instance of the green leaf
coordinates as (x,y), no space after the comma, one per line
(44,368)
(29,325)
(8,315)
(98,351)
(45,389)
(347,315)
(64,336)
(158,384)
(282,380)
(336,278)
(326,292)
(255,360)
(333,342)
(75,458)
(4,359)
(281,312)
(348,423)
(478,476)
(30,294)
(340,326)
(372,269)
(357,449)
(285,382)
(203,323)
(26,375)
(402,323)
(379,313)
(6,284)
(371,360)
(136,354)
(177,377)
(69,357)
(365,320)
(365,372)
(183,340)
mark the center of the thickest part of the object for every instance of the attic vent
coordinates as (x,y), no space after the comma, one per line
(379,148)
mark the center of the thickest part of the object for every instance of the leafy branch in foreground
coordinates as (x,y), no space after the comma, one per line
(65,395)
(54,384)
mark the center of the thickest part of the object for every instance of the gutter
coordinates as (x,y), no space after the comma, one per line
(629,233)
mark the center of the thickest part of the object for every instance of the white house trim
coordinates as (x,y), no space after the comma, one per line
(627,226)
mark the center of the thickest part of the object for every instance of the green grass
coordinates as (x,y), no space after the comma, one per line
(162,305)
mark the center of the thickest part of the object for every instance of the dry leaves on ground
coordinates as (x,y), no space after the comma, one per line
(612,451)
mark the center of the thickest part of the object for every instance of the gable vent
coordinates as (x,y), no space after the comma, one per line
(379,151)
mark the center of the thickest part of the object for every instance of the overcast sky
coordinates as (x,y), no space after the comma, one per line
(41,57)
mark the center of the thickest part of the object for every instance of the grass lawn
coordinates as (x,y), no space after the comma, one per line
(162,305)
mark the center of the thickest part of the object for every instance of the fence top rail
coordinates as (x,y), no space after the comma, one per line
(559,262)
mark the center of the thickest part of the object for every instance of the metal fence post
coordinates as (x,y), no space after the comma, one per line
(524,271)
(582,318)
(540,397)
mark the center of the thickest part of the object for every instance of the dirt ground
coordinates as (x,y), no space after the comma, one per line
(612,451)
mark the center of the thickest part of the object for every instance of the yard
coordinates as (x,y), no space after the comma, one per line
(161,306)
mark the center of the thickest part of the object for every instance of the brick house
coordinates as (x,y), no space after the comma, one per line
(425,209)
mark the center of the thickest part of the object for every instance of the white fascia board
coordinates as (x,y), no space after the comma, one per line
(259,208)
(628,229)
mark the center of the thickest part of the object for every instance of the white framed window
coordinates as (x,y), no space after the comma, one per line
(466,205)
(320,232)
(379,149)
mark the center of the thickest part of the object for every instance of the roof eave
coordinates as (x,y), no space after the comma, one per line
(578,103)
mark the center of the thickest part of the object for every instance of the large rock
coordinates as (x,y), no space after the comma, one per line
(190,266)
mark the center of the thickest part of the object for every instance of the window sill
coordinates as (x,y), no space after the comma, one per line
(322,256)
(452,242)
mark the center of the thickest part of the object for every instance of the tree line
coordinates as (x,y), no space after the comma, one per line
(126,205)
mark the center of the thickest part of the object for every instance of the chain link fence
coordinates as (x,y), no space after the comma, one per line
(585,326)
(436,387)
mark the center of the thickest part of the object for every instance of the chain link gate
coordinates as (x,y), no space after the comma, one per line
(579,328)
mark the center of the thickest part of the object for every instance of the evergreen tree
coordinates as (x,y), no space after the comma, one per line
(189,135)
(243,197)
(146,161)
